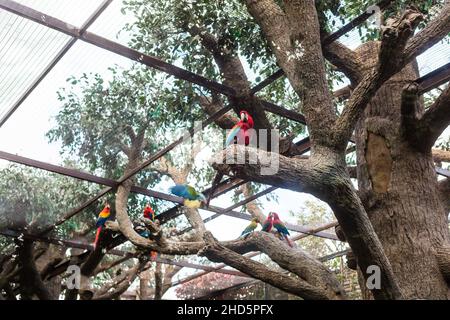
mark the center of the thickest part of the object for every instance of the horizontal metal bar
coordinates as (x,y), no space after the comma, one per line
(135,189)
(101,42)
(434,79)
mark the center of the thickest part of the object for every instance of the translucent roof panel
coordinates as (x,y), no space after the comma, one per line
(73,12)
(24,133)
(111,23)
(26,48)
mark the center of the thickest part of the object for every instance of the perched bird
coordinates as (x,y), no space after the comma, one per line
(101,220)
(250,228)
(281,228)
(240,129)
(268,224)
(149,213)
(192,198)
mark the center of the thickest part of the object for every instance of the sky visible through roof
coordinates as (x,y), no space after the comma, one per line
(27,47)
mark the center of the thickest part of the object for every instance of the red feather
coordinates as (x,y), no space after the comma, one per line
(97,236)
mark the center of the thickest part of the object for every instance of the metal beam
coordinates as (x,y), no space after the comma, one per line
(117,48)
(73,31)
(434,79)
(136,189)
(54,61)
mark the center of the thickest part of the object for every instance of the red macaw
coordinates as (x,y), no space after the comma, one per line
(268,224)
(101,220)
(241,128)
(150,214)
(281,228)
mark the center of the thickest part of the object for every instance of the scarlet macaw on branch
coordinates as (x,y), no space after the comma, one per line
(241,132)
(101,220)
(281,228)
(240,129)
(268,224)
(149,213)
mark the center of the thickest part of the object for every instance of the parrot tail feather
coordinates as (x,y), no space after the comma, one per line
(289,241)
(97,236)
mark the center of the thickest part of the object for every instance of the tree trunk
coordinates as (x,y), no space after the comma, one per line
(399,189)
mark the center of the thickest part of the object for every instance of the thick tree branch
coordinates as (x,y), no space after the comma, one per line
(435,120)
(440,155)
(434,32)
(30,278)
(218,253)
(444,190)
(294,260)
(294,36)
(443,258)
(391,60)
(345,60)
(326,177)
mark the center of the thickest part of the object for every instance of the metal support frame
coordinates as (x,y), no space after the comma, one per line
(54,61)
(143,191)
(117,48)
(431,80)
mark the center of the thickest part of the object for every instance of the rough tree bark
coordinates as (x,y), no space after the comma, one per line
(398,184)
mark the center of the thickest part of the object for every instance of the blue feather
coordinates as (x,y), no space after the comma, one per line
(233,133)
(101,222)
(281,228)
(187,192)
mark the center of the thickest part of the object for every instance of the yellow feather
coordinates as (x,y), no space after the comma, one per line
(104,214)
(194,204)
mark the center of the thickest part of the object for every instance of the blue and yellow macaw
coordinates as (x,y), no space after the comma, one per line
(250,228)
(192,198)
(101,220)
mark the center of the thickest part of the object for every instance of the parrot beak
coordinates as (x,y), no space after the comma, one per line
(243,116)
(202,197)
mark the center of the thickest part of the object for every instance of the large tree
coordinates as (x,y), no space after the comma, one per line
(396,218)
